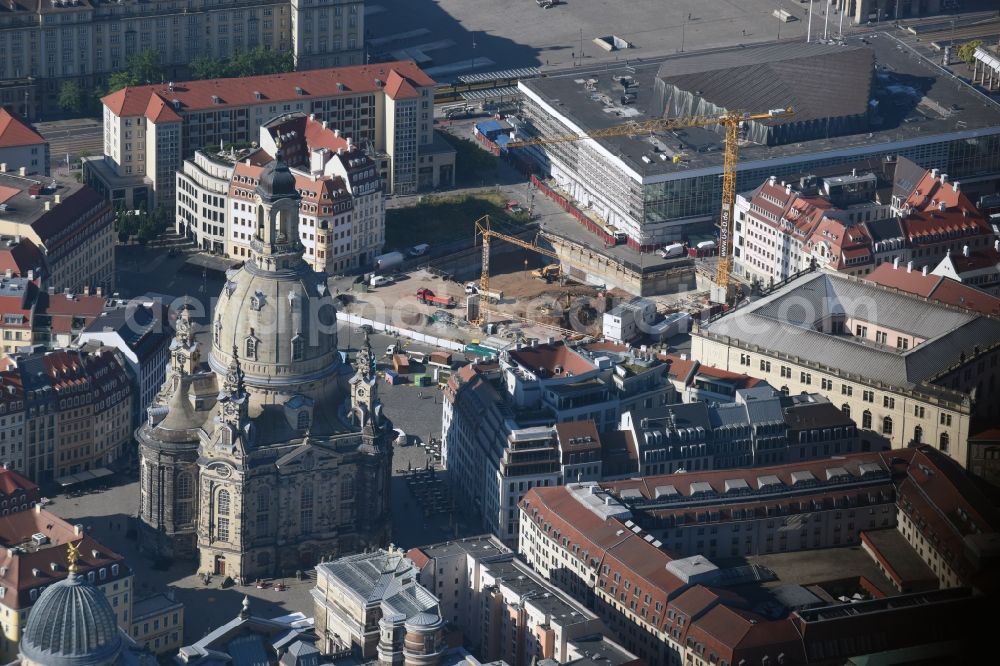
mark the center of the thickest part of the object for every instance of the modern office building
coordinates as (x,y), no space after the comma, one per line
(386,109)
(850,102)
(907,370)
(96,38)
(501,420)
(69,223)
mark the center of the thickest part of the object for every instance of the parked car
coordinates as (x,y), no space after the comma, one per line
(380,280)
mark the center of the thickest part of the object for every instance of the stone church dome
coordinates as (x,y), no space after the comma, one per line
(72,624)
(276,311)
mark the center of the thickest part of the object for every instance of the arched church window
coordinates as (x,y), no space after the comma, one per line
(302,420)
(184,486)
(298,348)
(251,348)
(218,331)
(222,507)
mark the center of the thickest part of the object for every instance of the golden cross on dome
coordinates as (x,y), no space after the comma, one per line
(72,555)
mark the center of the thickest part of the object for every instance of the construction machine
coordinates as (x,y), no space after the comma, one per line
(547,273)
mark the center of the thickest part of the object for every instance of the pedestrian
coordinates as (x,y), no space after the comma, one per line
(744,32)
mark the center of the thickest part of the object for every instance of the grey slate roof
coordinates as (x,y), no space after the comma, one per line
(782,323)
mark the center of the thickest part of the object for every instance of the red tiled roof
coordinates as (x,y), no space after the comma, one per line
(404,75)
(418,557)
(312,191)
(688,369)
(21,577)
(160,112)
(15,132)
(397,87)
(63,310)
(935,287)
(21,257)
(547,357)
(986,258)
(12,482)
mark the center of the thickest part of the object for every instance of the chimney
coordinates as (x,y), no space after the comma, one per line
(3,167)
(965,250)
(22,172)
(924,271)
(934,173)
(996,245)
(336,132)
(788,189)
(956,186)
(944,179)
(854,172)
(86,290)
(773,180)
(895,263)
(312,116)
(58,198)
(48,205)
(38,508)
(31,274)
(99,291)
(350,144)
(9,273)
(909,266)
(78,529)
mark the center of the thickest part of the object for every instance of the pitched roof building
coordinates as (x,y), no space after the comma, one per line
(935,287)
(899,365)
(21,147)
(386,108)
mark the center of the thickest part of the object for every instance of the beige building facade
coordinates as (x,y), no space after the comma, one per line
(54,41)
(905,369)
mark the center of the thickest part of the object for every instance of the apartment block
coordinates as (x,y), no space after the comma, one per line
(852,222)
(341,212)
(16,492)
(158,623)
(386,109)
(504,610)
(906,369)
(511,425)
(670,604)
(96,38)
(69,223)
(762,426)
(76,411)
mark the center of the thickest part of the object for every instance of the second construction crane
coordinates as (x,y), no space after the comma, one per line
(483,229)
(730,121)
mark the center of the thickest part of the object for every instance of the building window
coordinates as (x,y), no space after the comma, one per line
(866,420)
(223,504)
(888,402)
(886,426)
(302,420)
(846,409)
(805,377)
(902,343)
(250,350)
(868,396)
(946,419)
(944,441)
(846,390)
(298,345)
(918,435)
(223,529)
(307,509)
(765,366)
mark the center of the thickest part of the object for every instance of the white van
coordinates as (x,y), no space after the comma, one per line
(419,250)
(380,280)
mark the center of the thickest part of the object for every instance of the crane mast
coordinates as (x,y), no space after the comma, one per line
(731,124)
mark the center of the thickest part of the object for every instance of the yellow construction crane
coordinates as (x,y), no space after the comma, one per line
(483,229)
(731,121)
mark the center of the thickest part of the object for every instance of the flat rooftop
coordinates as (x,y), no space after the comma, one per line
(892,546)
(18,205)
(815,567)
(915,101)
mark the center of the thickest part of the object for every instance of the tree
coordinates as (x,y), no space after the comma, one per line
(70,97)
(207,67)
(142,68)
(967,50)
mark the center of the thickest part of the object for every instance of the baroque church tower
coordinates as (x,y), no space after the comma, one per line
(291,449)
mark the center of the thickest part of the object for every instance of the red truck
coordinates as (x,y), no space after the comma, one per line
(427,296)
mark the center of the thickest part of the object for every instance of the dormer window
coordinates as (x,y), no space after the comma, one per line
(257,301)
(250,347)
